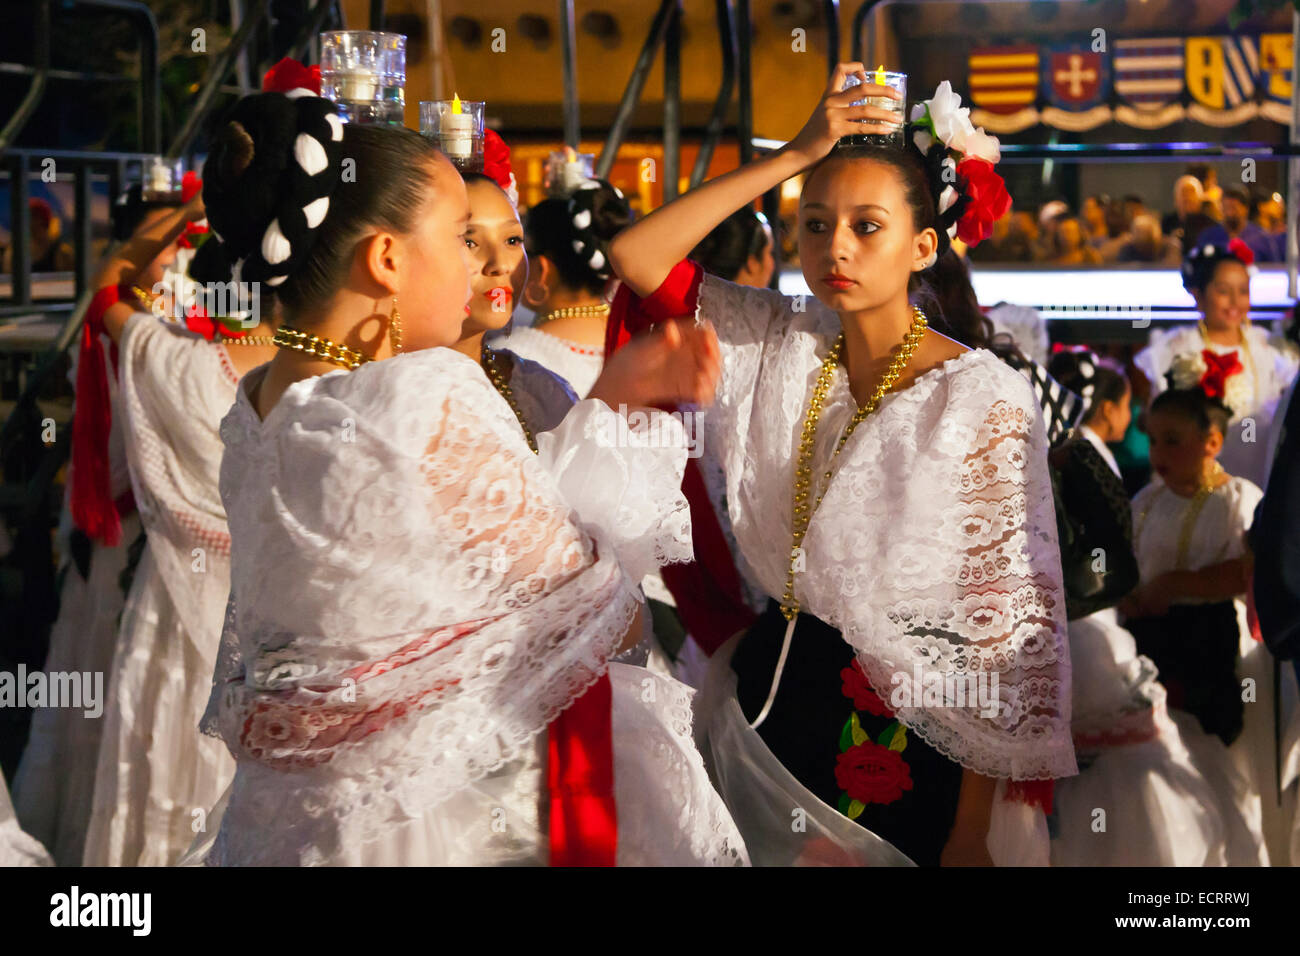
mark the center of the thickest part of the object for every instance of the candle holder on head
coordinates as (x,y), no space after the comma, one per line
(456,128)
(881,77)
(363,72)
(566,170)
(160,180)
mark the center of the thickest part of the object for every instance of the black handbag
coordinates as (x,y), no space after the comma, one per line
(1095,526)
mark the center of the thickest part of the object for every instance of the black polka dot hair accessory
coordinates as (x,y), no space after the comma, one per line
(266,186)
(586,243)
(1201,261)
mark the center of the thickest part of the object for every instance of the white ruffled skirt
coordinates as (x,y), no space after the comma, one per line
(55,784)
(157,775)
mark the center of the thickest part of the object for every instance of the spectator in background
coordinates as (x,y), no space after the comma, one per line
(1134,206)
(1049,213)
(1070,247)
(1270,215)
(1211,194)
(1237,225)
(1146,243)
(49,253)
(1118,226)
(1093,216)
(1187,221)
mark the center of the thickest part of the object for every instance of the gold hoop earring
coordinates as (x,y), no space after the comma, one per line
(395,328)
(529,299)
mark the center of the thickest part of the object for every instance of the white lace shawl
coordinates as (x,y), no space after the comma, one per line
(412,600)
(578,365)
(175,389)
(935,544)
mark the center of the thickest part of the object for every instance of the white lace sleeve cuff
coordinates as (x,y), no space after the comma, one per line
(622,477)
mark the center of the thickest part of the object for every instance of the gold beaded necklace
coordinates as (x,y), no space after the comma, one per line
(489,363)
(573,311)
(803,472)
(802,513)
(332,352)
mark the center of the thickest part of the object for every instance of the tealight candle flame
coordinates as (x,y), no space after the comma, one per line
(455,102)
(880,75)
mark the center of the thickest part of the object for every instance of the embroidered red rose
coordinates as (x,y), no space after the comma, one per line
(1242,251)
(870,773)
(1217,369)
(859,689)
(989,200)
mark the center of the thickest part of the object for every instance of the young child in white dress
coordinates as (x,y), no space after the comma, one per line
(1138,799)
(892,566)
(1188,614)
(408,626)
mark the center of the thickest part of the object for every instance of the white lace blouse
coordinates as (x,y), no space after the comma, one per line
(577,364)
(935,545)
(413,597)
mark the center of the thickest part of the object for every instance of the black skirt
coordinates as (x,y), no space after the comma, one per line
(1195,648)
(889,780)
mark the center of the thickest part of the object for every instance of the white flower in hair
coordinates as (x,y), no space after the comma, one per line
(947,198)
(951,120)
(1187,369)
(984,146)
(923,140)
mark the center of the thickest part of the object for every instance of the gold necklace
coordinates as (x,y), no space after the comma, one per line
(803,473)
(332,352)
(573,311)
(145,296)
(245,340)
(489,363)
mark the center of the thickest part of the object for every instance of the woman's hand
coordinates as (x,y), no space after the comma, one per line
(835,116)
(678,362)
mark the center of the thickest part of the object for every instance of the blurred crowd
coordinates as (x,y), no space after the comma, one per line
(1106,229)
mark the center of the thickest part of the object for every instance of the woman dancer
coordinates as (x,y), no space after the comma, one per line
(908,512)
(404,626)
(1218,278)
(156,775)
(567,238)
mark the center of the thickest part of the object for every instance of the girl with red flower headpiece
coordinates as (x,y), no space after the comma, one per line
(1189,615)
(1252,371)
(637,722)
(889,489)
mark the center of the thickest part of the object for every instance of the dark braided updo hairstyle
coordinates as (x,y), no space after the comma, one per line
(1196,406)
(289,190)
(574,233)
(1093,379)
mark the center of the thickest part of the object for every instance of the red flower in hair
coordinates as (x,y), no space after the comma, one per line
(191,185)
(1217,369)
(989,200)
(1242,252)
(496,158)
(288,75)
(191,229)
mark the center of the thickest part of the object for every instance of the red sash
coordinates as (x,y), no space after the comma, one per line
(580,774)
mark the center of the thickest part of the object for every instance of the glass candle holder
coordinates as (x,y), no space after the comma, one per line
(161,179)
(897,81)
(566,169)
(456,128)
(363,72)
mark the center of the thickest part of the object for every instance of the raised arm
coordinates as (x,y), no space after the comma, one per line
(134,256)
(643,253)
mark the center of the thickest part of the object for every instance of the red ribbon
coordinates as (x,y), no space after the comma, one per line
(1243,252)
(580,774)
(707,590)
(91,500)
(288,75)
(1217,369)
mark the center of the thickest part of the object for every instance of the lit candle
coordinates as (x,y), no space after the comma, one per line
(359,87)
(457,132)
(880,75)
(160,179)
